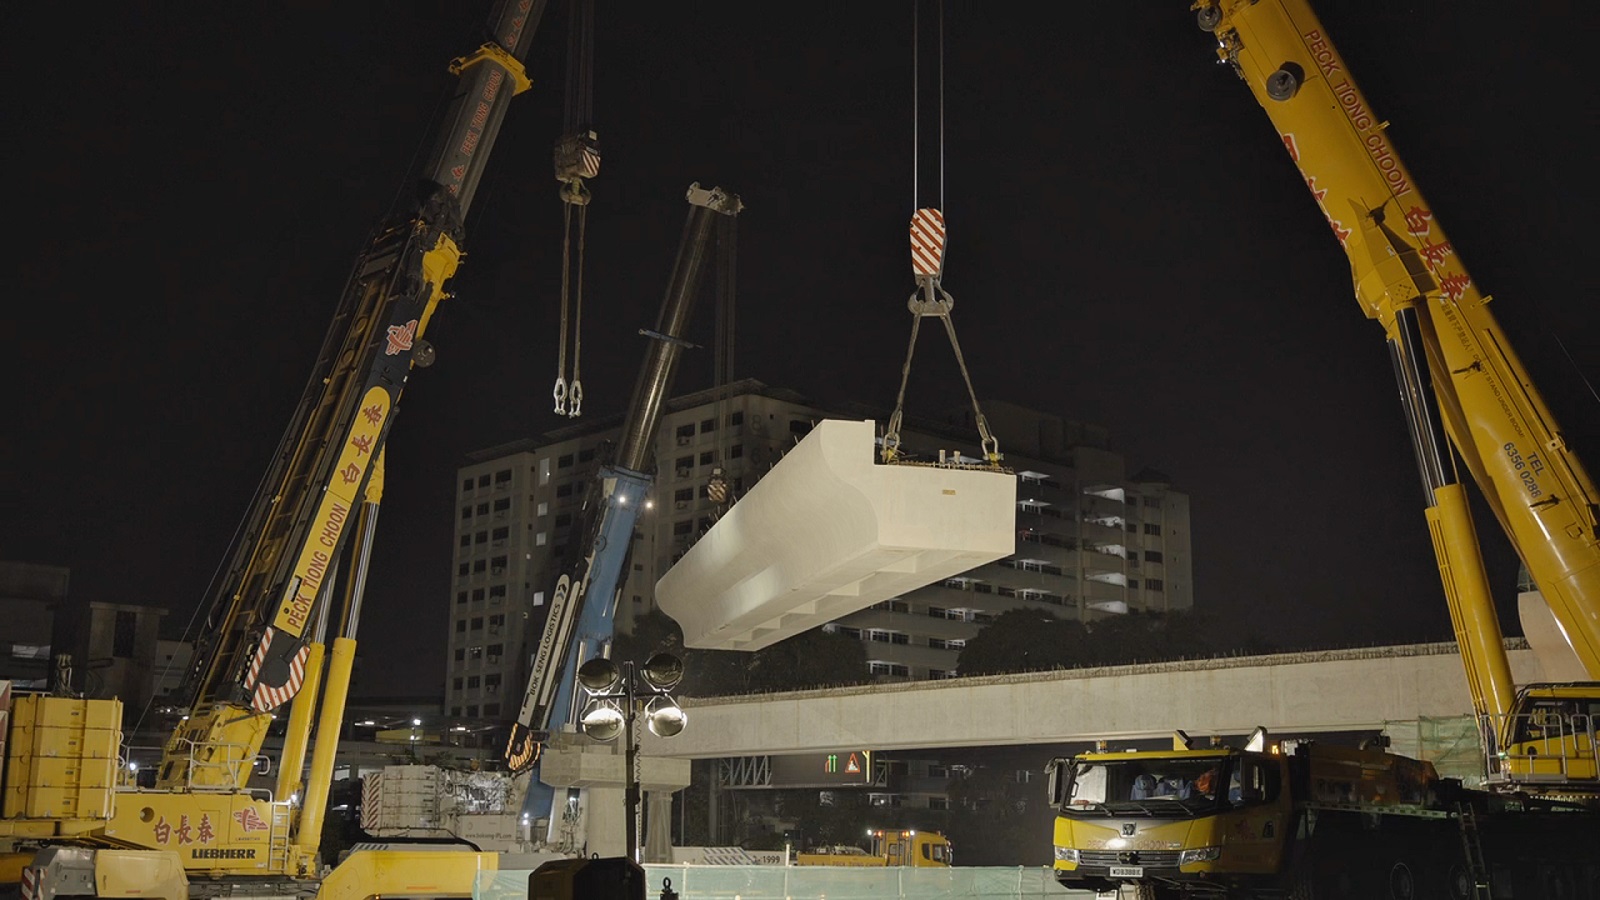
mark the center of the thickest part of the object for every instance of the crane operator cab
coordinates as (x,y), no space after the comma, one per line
(1550,738)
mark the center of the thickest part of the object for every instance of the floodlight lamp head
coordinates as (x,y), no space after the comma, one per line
(599,675)
(601,721)
(663,671)
(666,720)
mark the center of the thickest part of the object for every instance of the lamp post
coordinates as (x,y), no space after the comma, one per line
(616,697)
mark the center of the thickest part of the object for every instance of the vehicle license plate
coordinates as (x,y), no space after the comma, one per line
(1127,871)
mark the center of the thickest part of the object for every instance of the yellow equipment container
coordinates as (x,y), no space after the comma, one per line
(61,757)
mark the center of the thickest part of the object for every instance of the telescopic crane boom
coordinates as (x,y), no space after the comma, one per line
(259,629)
(1465,393)
(583,603)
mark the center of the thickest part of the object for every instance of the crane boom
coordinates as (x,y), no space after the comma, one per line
(580,619)
(263,610)
(1462,385)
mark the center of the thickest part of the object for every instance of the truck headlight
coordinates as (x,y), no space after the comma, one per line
(1199,854)
(1066,854)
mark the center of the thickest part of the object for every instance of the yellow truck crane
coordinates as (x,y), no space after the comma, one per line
(919,849)
(1467,398)
(201,830)
(1325,821)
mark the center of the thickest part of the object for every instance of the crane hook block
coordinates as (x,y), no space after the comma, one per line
(927,244)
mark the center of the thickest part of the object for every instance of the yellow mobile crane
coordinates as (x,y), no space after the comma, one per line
(1326,821)
(201,830)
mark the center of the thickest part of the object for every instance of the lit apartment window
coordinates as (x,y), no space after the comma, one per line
(491,683)
(544,471)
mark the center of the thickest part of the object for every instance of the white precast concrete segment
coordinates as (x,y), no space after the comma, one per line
(828,532)
(1292,692)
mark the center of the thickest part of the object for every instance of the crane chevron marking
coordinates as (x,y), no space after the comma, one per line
(927,242)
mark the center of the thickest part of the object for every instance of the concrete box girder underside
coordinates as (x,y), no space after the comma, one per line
(828,532)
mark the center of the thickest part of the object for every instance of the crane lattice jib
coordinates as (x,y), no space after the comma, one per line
(1406,269)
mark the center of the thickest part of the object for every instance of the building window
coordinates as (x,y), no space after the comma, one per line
(736,418)
(682,528)
(461,626)
(474,653)
(683,495)
(466,484)
(461,655)
(686,431)
(124,634)
(491,709)
(938,802)
(498,565)
(1154,502)
(1153,584)
(461,597)
(586,455)
(466,513)
(497,621)
(455,683)
(466,540)
(883,668)
(564,490)
(800,426)
(563,520)
(482,537)
(736,451)
(477,623)
(564,461)
(483,480)
(1152,528)
(1152,556)
(501,533)
(483,509)
(538,598)
(497,593)
(539,539)
(708,457)
(472,682)
(479,566)
(472,710)
(455,710)
(544,471)
(502,504)
(502,477)
(477,595)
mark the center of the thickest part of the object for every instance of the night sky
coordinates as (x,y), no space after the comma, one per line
(1130,246)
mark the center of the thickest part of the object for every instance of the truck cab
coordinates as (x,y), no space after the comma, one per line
(1180,816)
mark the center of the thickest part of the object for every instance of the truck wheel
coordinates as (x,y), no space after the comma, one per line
(1208,18)
(1402,882)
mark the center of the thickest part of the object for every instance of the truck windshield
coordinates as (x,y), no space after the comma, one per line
(1152,787)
